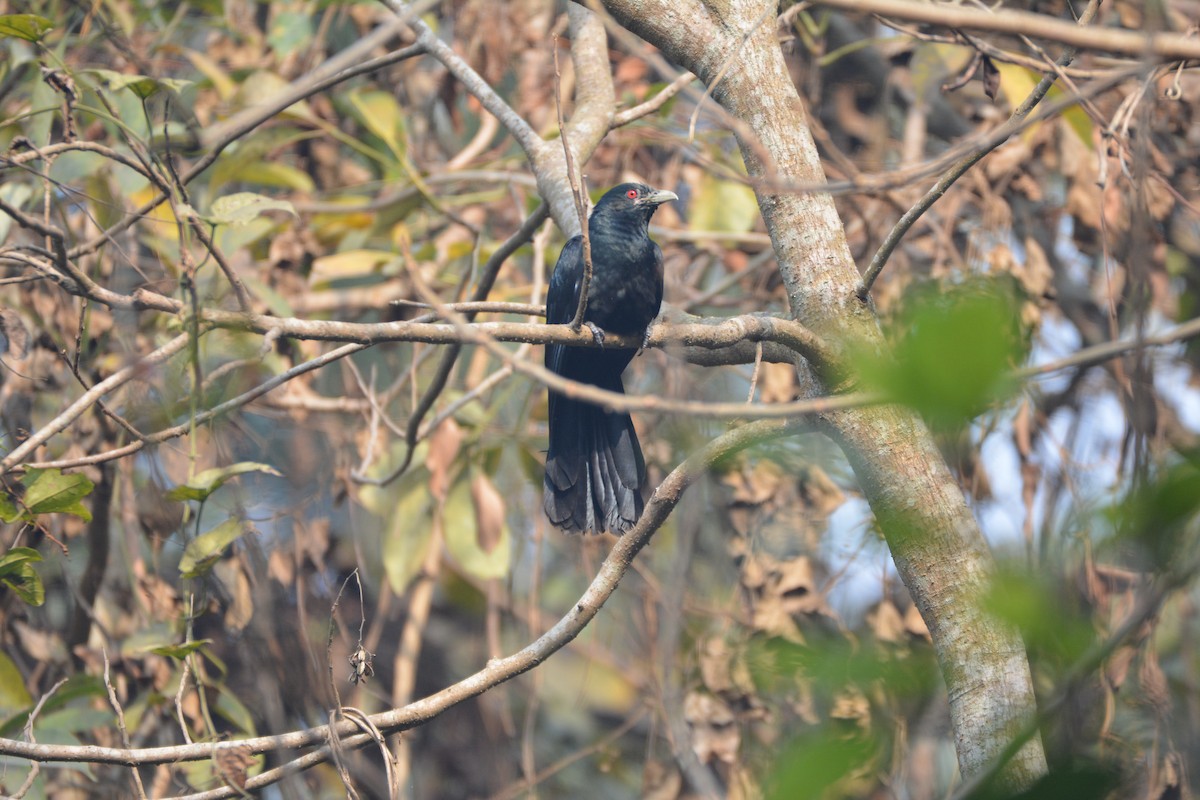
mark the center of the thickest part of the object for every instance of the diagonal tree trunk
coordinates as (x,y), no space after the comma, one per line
(936,542)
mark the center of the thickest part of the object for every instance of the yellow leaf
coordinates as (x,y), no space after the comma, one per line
(225,87)
(350,264)
(725,206)
(933,62)
(1016,83)
(383,117)
(160,219)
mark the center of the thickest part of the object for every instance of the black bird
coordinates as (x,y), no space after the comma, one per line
(595,473)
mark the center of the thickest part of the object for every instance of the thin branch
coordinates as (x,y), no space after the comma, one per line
(435,387)
(1137,44)
(36,766)
(622,118)
(73,411)
(526,136)
(578,192)
(1084,666)
(120,712)
(204,416)
(619,559)
(960,168)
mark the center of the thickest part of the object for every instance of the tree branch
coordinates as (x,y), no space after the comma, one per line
(910,217)
(1136,44)
(619,559)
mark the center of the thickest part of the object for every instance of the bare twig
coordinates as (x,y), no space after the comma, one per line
(960,168)
(35,767)
(204,416)
(1138,44)
(579,192)
(622,118)
(68,415)
(120,712)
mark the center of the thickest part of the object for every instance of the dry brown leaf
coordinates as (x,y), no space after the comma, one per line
(914,623)
(851,705)
(444,445)
(241,605)
(1116,669)
(158,597)
(1022,424)
(1007,158)
(1035,275)
(230,763)
(886,622)
(1154,682)
(818,490)
(715,660)
(39,645)
(14,336)
(281,567)
(755,485)
(661,782)
(797,587)
(715,734)
(777,383)
(314,537)
(489,512)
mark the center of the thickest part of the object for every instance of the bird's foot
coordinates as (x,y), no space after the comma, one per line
(597,334)
(645,339)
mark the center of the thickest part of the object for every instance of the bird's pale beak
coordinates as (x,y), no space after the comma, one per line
(658,197)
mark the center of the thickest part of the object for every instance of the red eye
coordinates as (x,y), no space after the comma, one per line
(632,194)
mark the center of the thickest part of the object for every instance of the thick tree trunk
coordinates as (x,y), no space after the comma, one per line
(935,540)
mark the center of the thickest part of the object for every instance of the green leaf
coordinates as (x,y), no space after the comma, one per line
(50,491)
(406,540)
(953,353)
(722,206)
(1049,624)
(17,195)
(382,116)
(290,31)
(242,207)
(17,573)
(203,552)
(8,508)
(274,173)
(29,27)
(14,697)
(1159,516)
(141,85)
(205,483)
(179,651)
(18,555)
(813,765)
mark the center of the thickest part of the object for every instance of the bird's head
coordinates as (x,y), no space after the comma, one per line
(633,200)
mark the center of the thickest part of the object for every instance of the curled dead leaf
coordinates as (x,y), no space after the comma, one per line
(851,705)
(444,445)
(231,762)
(489,512)
(914,623)
(886,622)
(14,336)
(715,734)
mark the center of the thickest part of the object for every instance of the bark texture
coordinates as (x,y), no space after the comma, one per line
(934,538)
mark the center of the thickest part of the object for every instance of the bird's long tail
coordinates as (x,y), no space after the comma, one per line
(595,472)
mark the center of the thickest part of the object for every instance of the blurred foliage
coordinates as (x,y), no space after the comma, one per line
(220,576)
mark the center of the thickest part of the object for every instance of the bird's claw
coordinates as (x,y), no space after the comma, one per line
(597,334)
(645,338)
